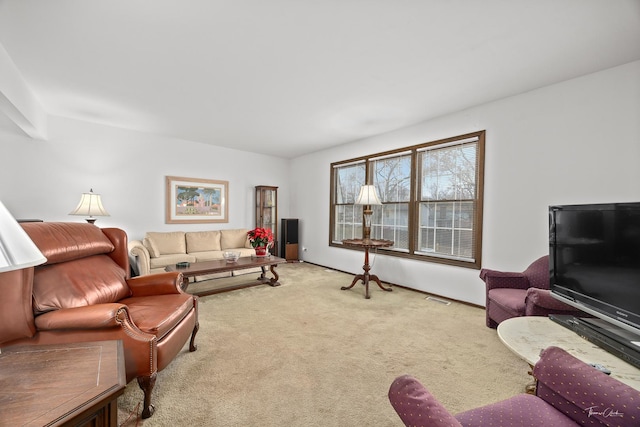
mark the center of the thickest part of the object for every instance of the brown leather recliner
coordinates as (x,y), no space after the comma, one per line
(84,292)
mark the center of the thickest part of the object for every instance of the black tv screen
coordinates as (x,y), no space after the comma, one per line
(594,260)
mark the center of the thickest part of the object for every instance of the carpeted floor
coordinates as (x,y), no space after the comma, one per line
(308,354)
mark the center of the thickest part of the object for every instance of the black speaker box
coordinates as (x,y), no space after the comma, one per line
(289,245)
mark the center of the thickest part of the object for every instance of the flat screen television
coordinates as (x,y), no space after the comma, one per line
(594,260)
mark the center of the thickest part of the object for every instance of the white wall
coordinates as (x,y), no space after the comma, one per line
(44,179)
(573,142)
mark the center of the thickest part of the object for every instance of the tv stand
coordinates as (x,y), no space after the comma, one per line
(611,338)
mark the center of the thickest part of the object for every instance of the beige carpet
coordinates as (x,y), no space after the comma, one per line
(309,354)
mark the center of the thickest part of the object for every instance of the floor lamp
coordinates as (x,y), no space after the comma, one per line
(367,197)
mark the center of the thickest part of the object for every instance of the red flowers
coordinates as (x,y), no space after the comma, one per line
(260,237)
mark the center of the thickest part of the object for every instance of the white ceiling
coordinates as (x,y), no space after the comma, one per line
(289,77)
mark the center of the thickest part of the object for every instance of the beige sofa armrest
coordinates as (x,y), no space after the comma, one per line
(140,258)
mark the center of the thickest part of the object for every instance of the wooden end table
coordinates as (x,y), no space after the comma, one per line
(62,384)
(367,244)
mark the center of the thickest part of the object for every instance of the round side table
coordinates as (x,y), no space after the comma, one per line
(365,277)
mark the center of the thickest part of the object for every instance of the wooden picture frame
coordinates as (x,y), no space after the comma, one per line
(196,201)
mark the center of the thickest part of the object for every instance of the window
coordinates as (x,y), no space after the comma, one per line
(346,181)
(431,198)
(392,179)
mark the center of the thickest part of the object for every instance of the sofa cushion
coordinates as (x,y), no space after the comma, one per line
(233,239)
(148,243)
(172,242)
(61,242)
(207,255)
(203,241)
(510,299)
(88,281)
(520,410)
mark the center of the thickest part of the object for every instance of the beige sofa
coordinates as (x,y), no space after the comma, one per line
(159,249)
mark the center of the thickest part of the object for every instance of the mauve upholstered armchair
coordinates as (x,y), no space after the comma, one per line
(511,294)
(569,392)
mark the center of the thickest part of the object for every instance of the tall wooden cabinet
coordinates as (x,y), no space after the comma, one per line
(267,211)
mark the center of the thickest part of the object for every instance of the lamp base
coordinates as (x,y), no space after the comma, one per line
(366,230)
(91,220)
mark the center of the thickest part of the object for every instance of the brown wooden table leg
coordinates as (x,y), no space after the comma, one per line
(375,278)
(355,280)
(366,277)
(274,279)
(531,387)
(366,285)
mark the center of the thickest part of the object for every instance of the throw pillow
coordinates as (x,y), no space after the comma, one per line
(233,239)
(170,242)
(203,241)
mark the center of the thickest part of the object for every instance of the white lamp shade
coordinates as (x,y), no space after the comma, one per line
(90,205)
(368,196)
(17,250)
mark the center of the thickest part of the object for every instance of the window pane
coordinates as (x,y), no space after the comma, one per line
(348,222)
(392,178)
(464,215)
(443,241)
(446,228)
(391,222)
(348,180)
(463,243)
(449,173)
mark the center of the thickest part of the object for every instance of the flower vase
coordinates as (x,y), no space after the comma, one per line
(261,251)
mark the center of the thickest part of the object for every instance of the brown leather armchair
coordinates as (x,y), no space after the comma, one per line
(84,293)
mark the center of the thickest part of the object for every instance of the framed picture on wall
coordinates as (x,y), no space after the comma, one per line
(193,201)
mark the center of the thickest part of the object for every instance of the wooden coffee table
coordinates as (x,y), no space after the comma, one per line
(221,266)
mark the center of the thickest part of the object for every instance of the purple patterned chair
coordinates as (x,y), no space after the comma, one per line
(569,393)
(521,294)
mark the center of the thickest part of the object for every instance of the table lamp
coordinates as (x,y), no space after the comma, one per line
(367,197)
(17,253)
(17,250)
(90,205)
